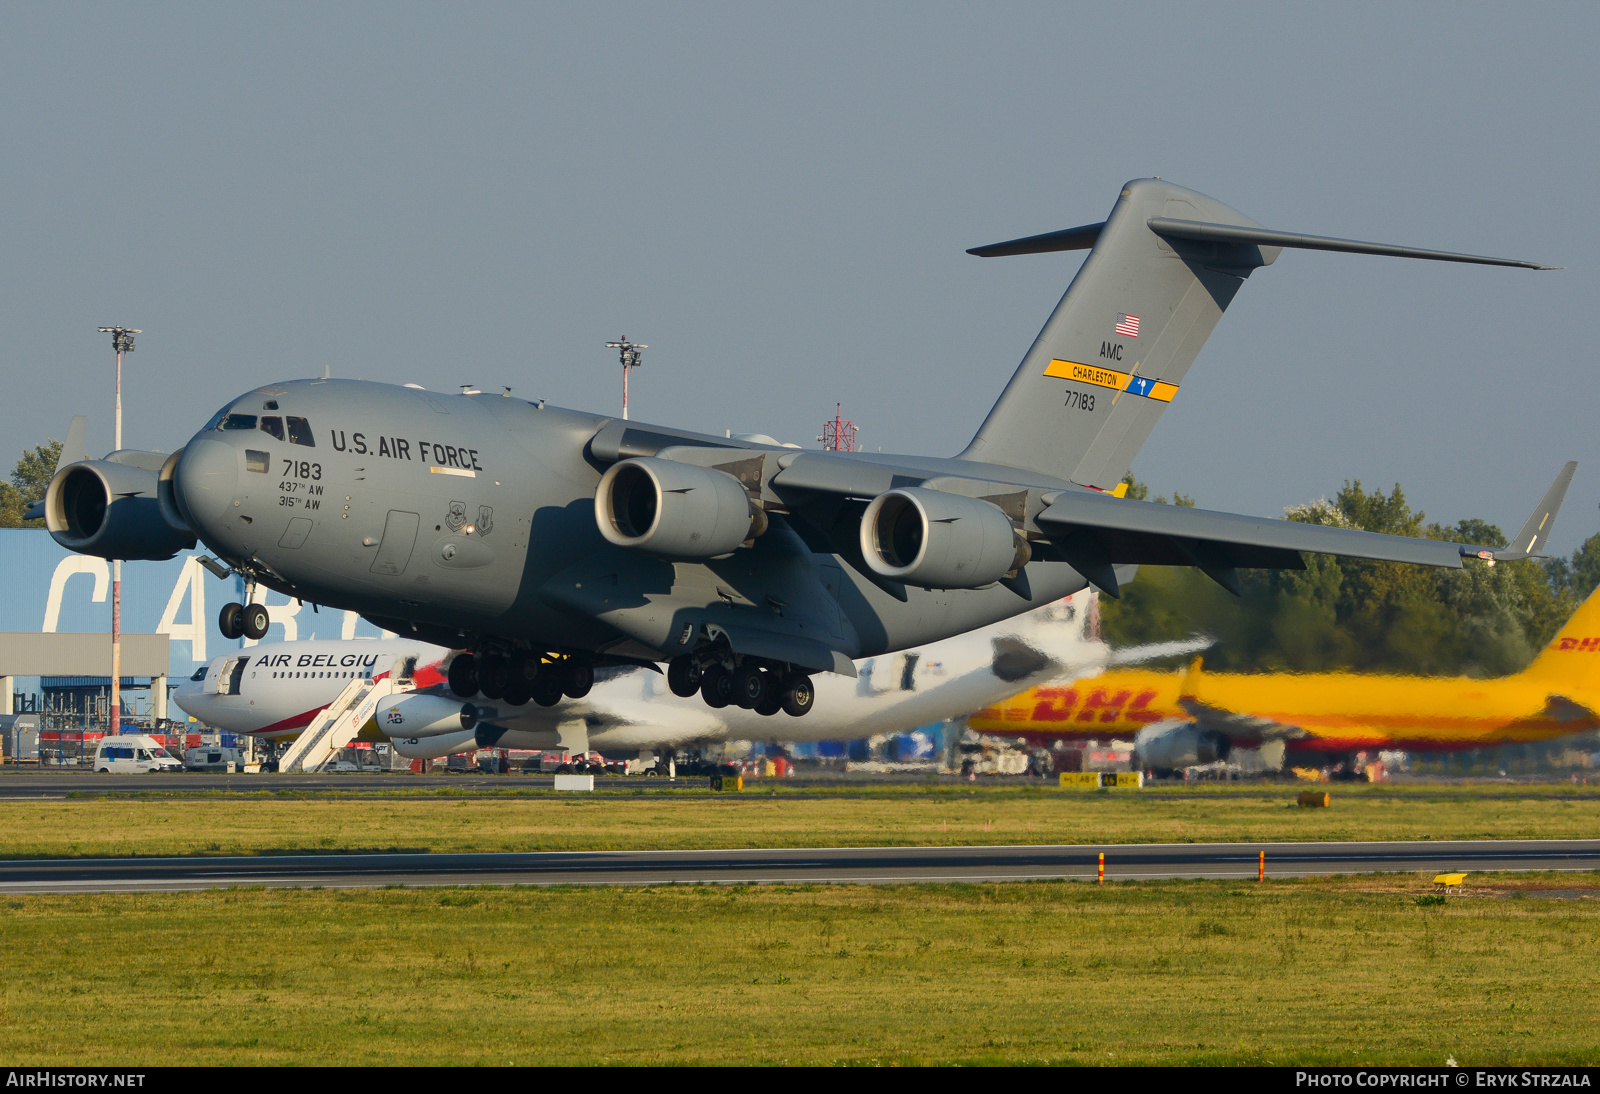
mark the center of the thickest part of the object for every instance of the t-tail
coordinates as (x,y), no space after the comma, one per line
(1162,268)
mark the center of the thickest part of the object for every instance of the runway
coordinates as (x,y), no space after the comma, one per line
(832,865)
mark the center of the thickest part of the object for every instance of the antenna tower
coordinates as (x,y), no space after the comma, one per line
(630,357)
(839,435)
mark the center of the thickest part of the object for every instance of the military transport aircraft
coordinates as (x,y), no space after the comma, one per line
(547,542)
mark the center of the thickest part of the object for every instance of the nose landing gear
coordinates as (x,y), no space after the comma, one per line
(244,621)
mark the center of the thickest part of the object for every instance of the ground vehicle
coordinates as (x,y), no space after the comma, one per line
(133,752)
(212,758)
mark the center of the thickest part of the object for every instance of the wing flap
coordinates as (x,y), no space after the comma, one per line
(1148,533)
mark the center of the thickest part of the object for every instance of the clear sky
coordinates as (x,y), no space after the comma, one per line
(777,198)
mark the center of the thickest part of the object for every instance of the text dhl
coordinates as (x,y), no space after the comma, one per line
(1101,705)
(1583,645)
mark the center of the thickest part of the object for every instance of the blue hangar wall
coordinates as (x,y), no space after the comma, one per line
(44,588)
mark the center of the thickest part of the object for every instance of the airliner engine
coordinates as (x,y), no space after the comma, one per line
(420,715)
(1171,746)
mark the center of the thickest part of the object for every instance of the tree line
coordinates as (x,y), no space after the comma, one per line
(1364,616)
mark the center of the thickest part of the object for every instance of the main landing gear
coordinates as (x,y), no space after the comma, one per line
(244,621)
(762,687)
(520,676)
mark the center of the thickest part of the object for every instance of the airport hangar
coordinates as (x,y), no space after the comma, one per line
(169,620)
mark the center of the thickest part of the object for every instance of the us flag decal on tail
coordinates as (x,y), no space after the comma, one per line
(1128,326)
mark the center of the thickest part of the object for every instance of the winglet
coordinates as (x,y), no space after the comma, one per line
(1538,526)
(76,447)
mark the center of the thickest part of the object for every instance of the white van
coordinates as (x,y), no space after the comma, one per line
(133,752)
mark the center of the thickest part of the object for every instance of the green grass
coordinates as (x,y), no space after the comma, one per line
(1350,971)
(771,815)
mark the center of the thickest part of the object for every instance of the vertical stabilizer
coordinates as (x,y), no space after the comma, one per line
(1116,348)
(1571,662)
(1161,271)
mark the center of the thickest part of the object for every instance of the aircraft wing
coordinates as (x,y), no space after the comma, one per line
(1239,726)
(1156,651)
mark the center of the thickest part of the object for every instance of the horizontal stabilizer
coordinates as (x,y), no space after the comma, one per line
(1067,239)
(1204,232)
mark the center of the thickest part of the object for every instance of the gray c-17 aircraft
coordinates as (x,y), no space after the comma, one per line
(541,542)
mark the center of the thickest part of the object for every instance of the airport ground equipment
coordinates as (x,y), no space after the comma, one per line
(549,542)
(342,719)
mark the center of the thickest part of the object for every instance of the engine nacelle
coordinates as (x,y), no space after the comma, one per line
(109,509)
(938,540)
(672,509)
(1171,746)
(434,748)
(418,715)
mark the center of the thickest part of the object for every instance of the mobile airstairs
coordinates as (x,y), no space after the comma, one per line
(343,718)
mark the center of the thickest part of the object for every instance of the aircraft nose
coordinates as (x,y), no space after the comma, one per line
(207,477)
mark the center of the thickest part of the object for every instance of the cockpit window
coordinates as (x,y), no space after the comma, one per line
(238,421)
(270,404)
(216,419)
(272,424)
(300,432)
(199,673)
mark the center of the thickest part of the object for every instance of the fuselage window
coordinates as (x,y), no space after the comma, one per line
(272,424)
(256,460)
(300,432)
(238,421)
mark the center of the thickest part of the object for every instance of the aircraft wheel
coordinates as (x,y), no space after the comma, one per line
(683,676)
(230,621)
(518,693)
(716,687)
(525,666)
(546,687)
(798,695)
(464,675)
(493,676)
(577,677)
(749,686)
(255,619)
(772,702)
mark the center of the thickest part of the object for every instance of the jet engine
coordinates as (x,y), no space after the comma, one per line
(436,747)
(109,508)
(420,715)
(938,540)
(1171,746)
(673,509)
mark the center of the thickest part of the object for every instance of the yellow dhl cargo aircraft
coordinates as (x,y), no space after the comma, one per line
(1179,719)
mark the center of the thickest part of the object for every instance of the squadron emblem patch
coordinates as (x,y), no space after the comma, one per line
(457,516)
(485,520)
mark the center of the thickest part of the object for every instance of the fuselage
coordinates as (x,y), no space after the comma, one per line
(457,518)
(276,689)
(1322,712)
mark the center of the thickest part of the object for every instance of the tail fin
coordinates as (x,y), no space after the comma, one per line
(1162,269)
(1571,662)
